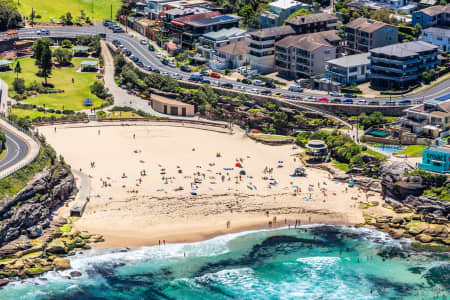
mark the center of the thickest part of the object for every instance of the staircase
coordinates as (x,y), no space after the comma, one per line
(92,117)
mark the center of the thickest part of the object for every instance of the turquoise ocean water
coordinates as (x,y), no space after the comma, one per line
(314,262)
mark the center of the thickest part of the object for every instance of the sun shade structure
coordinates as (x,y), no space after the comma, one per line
(80,48)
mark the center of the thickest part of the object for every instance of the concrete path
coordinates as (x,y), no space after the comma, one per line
(84,191)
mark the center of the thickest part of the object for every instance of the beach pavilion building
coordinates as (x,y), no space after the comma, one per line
(172,107)
(317,149)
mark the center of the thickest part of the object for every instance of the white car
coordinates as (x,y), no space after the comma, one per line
(164,73)
(335,94)
(311,98)
(143,42)
(158,55)
(172,64)
(42,32)
(361,102)
(241,87)
(254,91)
(258,82)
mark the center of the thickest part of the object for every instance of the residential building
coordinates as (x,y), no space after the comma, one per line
(313,23)
(155,7)
(171,14)
(188,29)
(427,3)
(262,47)
(279,11)
(436,159)
(231,56)
(400,66)
(210,41)
(363,34)
(430,119)
(438,15)
(348,69)
(305,55)
(437,36)
(395,5)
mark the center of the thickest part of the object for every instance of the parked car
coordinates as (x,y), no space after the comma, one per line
(335,94)
(405,102)
(349,95)
(186,69)
(106,22)
(116,42)
(246,81)
(374,103)
(266,92)
(270,85)
(164,61)
(172,64)
(335,100)
(127,52)
(204,73)
(241,87)
(255,91)
(151,47)
(227,85)
(323,99)
(140,64)
(165,73)
(295,88)
(148,68)
(389,103)
(196,77)
(117,29)
(348,101)
(280,95)
(158,55)
(143,42)
(156,71)
(311,98)
(206,81)
(258,82)
(214,75)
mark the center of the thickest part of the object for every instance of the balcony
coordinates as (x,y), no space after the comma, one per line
(395,78)
(261,43)
(394,61)
(282,58)
(395,70)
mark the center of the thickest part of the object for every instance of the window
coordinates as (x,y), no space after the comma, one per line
(327,51)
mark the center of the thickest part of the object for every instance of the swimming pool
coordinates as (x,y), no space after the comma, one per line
(391,149)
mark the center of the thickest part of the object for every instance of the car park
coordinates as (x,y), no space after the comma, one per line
(323,99)
(335,94)
(295,88)
(214,75)
(143,42)
(258,82)
(349,95)
(186,69)
(348,101)
(335,100)
(227,85)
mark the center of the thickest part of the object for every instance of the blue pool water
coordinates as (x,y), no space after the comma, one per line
(315,262)
(391,149)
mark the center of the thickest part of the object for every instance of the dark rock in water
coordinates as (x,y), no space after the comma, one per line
(43,279)
(438,275)
(67,277)
(124,250)
(3,282)
(75,274)
(416,270)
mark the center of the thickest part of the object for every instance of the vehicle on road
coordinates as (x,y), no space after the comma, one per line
(258,82)
(204,73)
(206,81)
(361,102)
(117,29)
(164,61)
(335,94)
(280,95)
(196,77)
(374,103)
(266,92)
(227,85)
(214,75)
(156,71)
(389,103)
(42,32)
(335,100)
(143,42)
(348,101)
(172,64)
(311,98)
(151,48)
(405,102)
(158,55)
(148,68)
(254,91)
(349,95)
(186,69)
(269,85)
(246,81)
(295,88)
(323,99)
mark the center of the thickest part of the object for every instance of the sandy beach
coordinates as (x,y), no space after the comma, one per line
(197,184)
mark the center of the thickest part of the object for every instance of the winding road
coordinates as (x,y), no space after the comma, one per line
(17,149)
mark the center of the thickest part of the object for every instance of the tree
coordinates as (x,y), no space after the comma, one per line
(426,77)
(18,69)
(247,12)
(119,62)
(19,85)
(38,47)
(417,30)
(9,15)
(69,18)
(63,56)
(46,63)
(66,44)
(98,89)
(280,120)
(300,12)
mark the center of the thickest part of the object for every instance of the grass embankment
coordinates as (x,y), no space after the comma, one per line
(18,180)
(32,114)
(74,93)
(122,115)
(341,165)
(412,150)
(52,10)
(269,137)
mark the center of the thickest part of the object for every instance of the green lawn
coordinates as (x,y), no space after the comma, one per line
(122,115)
(341,166)
(270,137)
(52,10)
(412,150)
(32,114)
(74,94)
(375,153)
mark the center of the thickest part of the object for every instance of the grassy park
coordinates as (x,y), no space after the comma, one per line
(32,114)
(412,150)
(96,10)
(74,93)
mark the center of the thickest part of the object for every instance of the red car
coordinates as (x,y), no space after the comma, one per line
(215,75)
(323,99)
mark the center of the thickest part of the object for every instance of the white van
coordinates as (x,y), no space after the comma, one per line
(295,88)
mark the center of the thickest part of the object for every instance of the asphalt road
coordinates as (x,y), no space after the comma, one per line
(17,150)
(149,59)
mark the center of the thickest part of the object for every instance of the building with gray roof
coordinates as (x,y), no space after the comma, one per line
(438,36)
(348,69)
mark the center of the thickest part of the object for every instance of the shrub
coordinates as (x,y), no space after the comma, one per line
(19,85)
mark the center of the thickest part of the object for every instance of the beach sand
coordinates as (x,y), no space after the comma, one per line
(135,210)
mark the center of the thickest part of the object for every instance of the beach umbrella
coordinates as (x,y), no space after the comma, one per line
(238,164)
(280,161)
(351,182)
(255,131)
